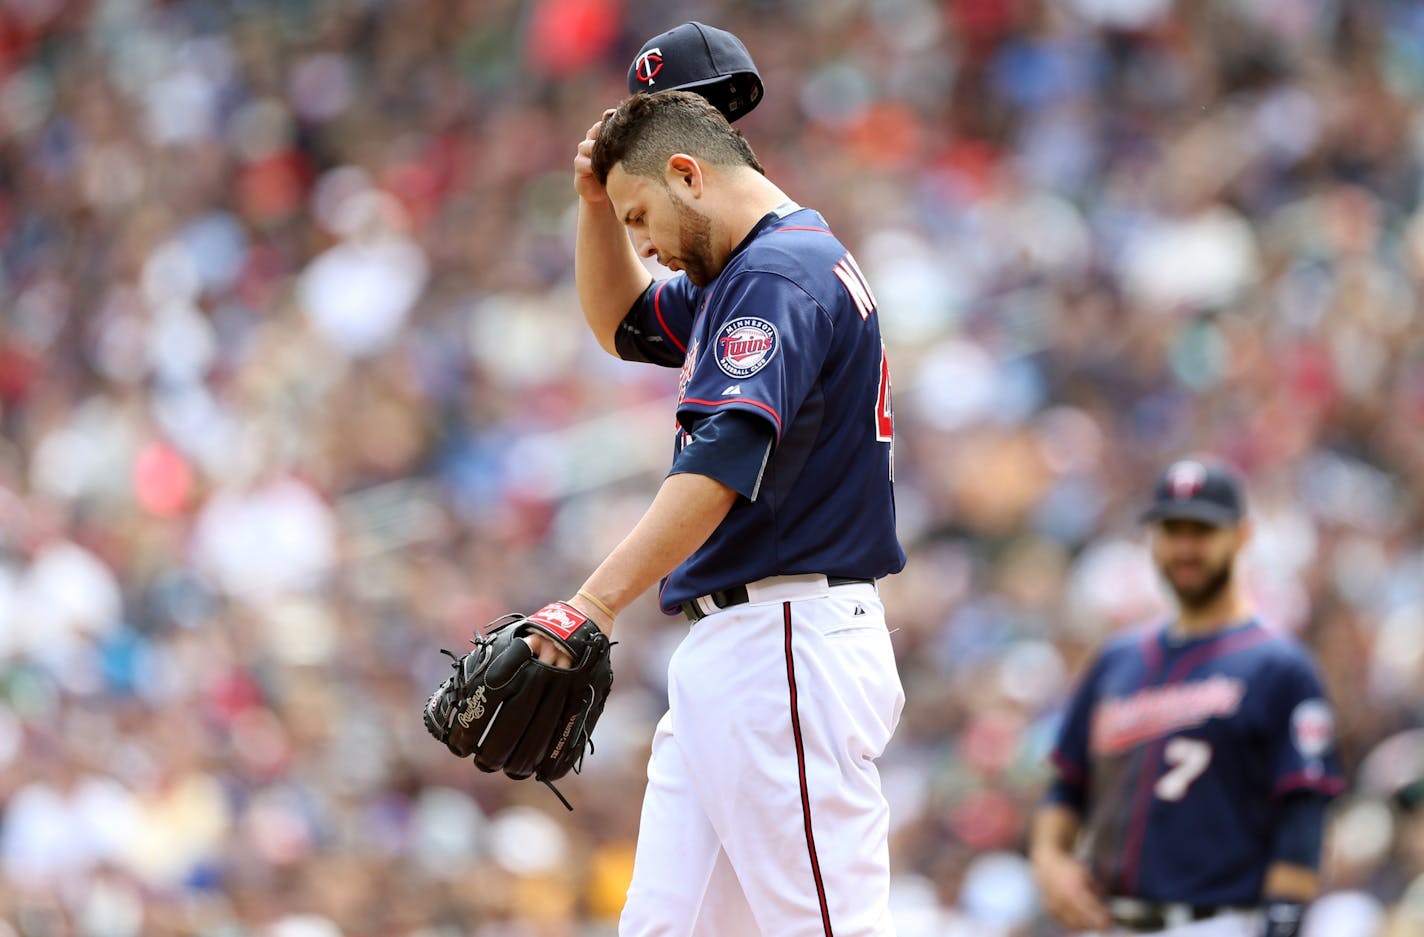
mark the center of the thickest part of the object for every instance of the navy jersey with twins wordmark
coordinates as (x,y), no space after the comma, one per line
(787,332)
(1178,752)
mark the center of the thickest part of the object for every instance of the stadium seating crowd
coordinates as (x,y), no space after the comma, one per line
(295,391)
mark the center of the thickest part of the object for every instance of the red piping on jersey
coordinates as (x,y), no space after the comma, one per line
(1146,779)
(1214,649)
(756,403)
(1151,655)
(1068,771)
(658,311)
(1301,781)
(1151,650)
(799,227)
(801,774)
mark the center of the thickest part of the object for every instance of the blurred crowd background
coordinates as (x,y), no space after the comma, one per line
(295,391)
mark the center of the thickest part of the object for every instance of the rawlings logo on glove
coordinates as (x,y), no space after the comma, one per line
(516,714)
(474,708)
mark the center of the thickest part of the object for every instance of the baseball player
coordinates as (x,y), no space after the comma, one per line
(1195,759)
(763,812)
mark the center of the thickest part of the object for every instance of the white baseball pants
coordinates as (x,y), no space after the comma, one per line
(763,813)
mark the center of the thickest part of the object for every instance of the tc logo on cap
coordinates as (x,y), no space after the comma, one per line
(1185,479)
(647,65)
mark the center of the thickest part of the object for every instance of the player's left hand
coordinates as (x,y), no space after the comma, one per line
(1070,894)
(551,652)
(519,715)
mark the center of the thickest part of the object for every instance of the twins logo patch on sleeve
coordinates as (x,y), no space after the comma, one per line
(1313,727)
(746,345)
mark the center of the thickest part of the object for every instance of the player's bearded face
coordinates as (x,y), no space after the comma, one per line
(665,225)
(694,249)
(1196,560)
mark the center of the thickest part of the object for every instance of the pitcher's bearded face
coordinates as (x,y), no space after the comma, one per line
(666,225)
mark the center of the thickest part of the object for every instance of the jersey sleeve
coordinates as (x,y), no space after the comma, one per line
(1303,736)
(658,324)
(1299,829)
(1072,754)
(730,446)
(764,352)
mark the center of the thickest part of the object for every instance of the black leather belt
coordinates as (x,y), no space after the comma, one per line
(737,595)
(1148,916)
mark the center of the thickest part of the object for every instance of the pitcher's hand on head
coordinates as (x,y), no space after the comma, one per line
(585,184)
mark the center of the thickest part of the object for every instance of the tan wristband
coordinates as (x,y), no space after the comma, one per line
(596,602)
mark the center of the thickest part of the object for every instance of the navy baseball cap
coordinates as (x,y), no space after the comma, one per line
(1195,490)
(695,57)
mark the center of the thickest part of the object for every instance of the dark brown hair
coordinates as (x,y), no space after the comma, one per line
(647,129)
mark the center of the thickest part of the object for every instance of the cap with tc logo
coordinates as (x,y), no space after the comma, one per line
(1203,491)
(695,57)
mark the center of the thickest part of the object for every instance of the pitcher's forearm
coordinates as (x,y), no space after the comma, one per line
(684,514)
(607,271)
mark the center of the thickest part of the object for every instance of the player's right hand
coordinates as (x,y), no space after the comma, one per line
(585,183)
(1070,895)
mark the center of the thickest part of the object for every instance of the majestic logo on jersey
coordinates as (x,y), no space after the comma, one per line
(648,65)
(1185,479)
(1121,724)
(1313,728)
(745,346)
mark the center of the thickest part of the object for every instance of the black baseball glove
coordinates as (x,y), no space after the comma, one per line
(518,715)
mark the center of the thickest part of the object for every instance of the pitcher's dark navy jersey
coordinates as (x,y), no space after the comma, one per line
(1179,752)
(786,332)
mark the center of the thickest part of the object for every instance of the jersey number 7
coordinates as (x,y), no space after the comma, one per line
(1188,758)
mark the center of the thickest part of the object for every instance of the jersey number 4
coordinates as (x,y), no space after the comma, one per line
(884,411)
(848,272)
(1186,758)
